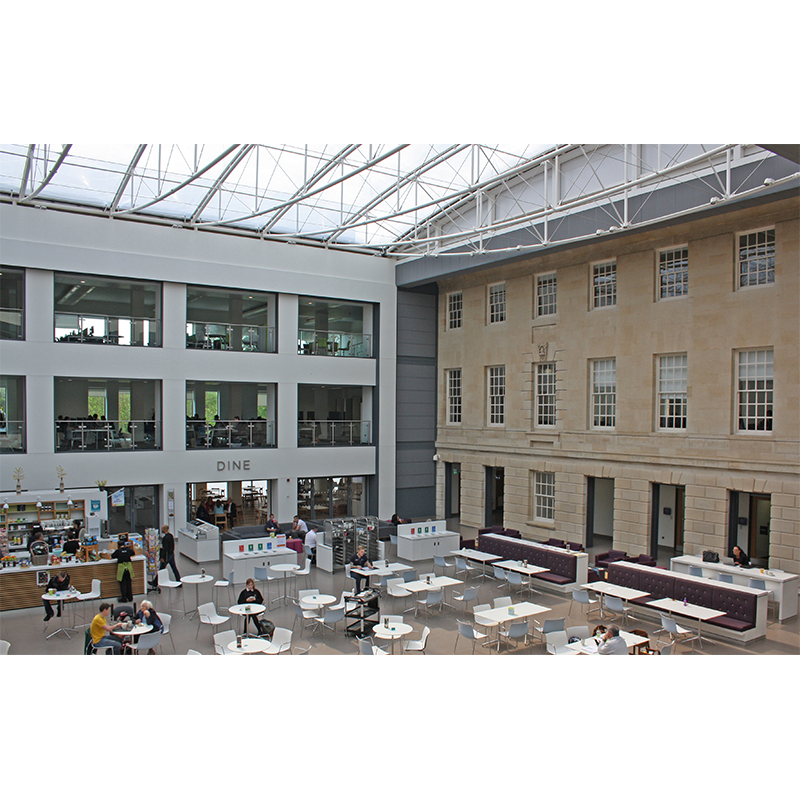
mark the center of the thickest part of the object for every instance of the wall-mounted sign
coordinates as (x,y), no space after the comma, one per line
(233,465)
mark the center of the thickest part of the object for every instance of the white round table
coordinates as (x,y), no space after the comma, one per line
(244,610)
(61,597)
(285,569)
(136,630)
(317,600)
(395,630)
(196,580)
(249,645)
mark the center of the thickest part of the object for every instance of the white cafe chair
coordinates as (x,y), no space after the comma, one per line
(556,644)
(367,648)
(93,594)
(207,615)
(417,645)
(468,632)
(281,642)
(221,642)
(4,647)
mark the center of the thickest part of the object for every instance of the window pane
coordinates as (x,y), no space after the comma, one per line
(605,284)
(455,303)
(757,258)
(545,394)
(497,302)
(604,393)
(546,295)
(674,272)
(755,390)
(497,395)
(672,383)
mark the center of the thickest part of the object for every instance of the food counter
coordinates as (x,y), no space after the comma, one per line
(242,557)
(418,541)
(22,587)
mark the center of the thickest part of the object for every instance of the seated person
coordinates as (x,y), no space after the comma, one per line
(299,527)
(251,595)
(272,525)
(73,543)
(740,557)
(147,615)
(311,543)
(101,630)
(613,644)
(359,559)
(398,521)
(60,583)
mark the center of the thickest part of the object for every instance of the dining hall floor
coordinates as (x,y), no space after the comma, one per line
(26,631)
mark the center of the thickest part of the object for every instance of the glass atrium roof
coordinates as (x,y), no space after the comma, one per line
(404,200)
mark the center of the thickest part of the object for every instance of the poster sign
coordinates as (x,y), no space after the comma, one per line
(118,498)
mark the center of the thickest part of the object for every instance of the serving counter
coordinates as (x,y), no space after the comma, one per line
(783,585)
(242,557)
(23,587)
(199,541)
(418,541)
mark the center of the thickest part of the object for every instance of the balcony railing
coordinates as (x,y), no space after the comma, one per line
(333,433)
(11,323)
(132,331)
(229,336)
(334,343)
(12,436)
(112,434)
(229,433)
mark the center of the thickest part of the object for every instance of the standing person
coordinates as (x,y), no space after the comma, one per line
(73,543)
(311,543)
(168,551)
(299,527)
(124,553)
(359,559)
(60,583)
(613,644)
(100,629)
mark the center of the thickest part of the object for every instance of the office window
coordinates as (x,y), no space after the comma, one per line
(754,393)
(672,383)
(604,284)
(604,393)
(546,394)
(497,303)
(544,495)
(757,258)
(673,273)
(454,396)
(497,395)
(455,308)
(545,294)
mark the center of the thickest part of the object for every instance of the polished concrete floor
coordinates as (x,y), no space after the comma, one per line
(27,633)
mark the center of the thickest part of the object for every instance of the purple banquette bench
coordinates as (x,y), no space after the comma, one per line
(562,566)
(740,607)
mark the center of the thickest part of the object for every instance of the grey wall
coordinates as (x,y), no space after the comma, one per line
(416,403)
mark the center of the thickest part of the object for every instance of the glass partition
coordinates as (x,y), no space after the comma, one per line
(12,303)
(95,310)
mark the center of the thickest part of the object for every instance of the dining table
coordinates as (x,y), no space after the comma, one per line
(285,569)
(604,588)
(392,631)
(196,580)
(477,555)
(247,645)
(684,609)
(512,613)
(590,645)
(244,610)
(62,597)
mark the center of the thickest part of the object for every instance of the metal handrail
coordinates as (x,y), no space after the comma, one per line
(229,433)
(111,434)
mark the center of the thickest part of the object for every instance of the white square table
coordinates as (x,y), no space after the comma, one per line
(622,592)
(512,613)
(437,582)
(590,645)
(699,613)
(476,555)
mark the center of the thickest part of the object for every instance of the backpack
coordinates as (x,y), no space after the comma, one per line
(87,643)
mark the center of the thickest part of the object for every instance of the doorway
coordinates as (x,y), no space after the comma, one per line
(667,518)
(749,525)
(599,509)
(758,534)
(452,491)
(495,491)
(131,509)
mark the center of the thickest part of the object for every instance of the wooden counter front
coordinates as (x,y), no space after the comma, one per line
(18,587)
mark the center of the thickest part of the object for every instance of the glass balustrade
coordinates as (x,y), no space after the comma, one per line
(112,434)
(333,433)
(229,336)
(132,331)
(229,433)
(12,436)
(334,343)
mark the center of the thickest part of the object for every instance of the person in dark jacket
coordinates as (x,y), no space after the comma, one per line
(124,554)
(740,557)
(251,595)
(60,583)
(168,551)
